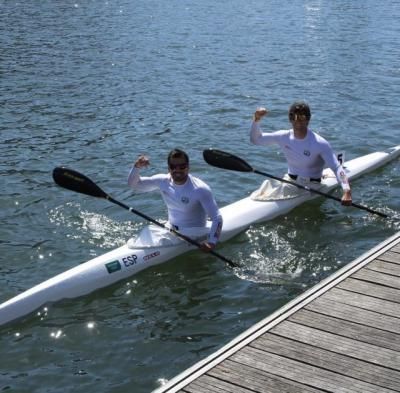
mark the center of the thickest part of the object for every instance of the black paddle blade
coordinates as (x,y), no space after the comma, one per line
(75,181)
(222,159)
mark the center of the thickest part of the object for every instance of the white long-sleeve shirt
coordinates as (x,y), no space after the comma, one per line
(305,157)
(188,204)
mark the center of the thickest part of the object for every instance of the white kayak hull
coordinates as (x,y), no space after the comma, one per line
(128,260)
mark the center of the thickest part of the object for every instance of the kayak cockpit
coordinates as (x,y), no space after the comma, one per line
(153,236)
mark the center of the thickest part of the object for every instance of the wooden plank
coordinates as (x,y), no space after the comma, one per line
(207,384)
(390,256)
(256,379)
(334,362)
(370,289)
(384,267)
(396,248)
(378,278)
(366,302)
(304,373)
(346,312)
(332,342)
(347,329)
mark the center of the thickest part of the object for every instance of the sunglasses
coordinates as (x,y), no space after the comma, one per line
(178,166)
(297,116)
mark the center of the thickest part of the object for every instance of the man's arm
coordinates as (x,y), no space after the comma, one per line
(139,183)
(257,137)
(333,163)
(210,206)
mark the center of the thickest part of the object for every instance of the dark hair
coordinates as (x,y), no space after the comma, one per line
(177,153)
(301,108)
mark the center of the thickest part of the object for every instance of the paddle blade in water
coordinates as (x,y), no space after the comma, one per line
(222,159)
(75,181)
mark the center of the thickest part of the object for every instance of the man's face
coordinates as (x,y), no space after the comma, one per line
(299,121)
(179,170)
(298,117)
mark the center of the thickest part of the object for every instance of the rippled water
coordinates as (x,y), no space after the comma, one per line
(92,84)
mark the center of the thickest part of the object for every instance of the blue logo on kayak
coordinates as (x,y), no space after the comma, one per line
(113,266)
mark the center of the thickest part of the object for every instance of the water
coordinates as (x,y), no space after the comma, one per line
(92,84)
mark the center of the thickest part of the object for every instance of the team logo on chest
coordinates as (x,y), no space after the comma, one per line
(185,199)
(307,153)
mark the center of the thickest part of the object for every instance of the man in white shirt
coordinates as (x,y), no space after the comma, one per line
(188,199)
(306,152)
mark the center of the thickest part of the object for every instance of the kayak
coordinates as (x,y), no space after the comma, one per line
(154,245)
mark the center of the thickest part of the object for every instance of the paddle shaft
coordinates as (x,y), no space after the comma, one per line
(319,192)
(182,236)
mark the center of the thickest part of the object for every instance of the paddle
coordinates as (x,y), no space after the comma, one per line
(222,159)
(75,181)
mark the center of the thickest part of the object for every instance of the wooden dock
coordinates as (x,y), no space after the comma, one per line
(342,335)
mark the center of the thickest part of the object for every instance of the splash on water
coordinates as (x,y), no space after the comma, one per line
(92,228)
